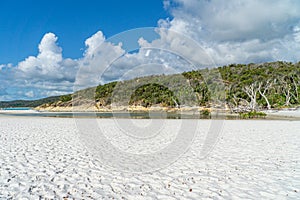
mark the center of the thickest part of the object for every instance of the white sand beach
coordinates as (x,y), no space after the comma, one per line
(252,159)
(287,113)
(17,111)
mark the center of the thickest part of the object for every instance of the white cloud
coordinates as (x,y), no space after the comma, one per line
(97,58)
(5,66)
(93,43)
(148,61)
(202,32)
(29,94)
(49,63)
(49,73)
(297,33)
(48,68)
(181,45)
(239,31)
(236,20)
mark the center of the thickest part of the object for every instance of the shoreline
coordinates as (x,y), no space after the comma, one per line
(185,113)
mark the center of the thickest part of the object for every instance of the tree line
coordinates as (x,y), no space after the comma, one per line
(240,87)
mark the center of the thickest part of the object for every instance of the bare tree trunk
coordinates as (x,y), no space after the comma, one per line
(263,93)
(177,106)
(251,91)
(286,90)
(287,98)
(235,101)
(267,101)
(296,95)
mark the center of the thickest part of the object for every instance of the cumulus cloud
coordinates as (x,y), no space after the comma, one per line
(48,73)
(239,31)
(181,45)
(200,33)
(147,61)
(49,63)
(236,20)
(93,44)
(97,58)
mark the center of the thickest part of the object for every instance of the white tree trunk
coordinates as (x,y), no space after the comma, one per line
(251,91)
(266,99)
(266,86)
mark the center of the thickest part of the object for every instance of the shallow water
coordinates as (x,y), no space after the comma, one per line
(16,108)
(130,115)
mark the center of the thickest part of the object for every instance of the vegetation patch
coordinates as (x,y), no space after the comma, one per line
(244,88)
(66,98)
(205,113)
(252,115)
(153,94)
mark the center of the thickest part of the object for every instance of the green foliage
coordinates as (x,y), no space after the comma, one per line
(283,76)
(279,83)
(29,103)
(65,98)
(153,94)
(252,114)
(104,93)
(205,113)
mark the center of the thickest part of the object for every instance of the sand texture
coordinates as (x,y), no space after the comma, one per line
(46,158)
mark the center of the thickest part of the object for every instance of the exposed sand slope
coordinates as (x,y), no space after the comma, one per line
(44,157)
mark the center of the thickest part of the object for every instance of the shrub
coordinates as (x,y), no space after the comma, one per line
(66,98)
(205,113)
(252,114)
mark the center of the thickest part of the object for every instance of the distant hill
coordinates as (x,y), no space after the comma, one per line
(242,87)
(28,103)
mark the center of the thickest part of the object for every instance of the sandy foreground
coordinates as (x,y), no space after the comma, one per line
(46,158)
(285,113)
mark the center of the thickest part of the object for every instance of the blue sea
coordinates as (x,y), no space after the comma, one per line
(16,108)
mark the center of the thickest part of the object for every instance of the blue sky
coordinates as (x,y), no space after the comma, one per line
(47,48)
(24,22)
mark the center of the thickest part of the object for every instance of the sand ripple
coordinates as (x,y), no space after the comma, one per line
(44,158)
